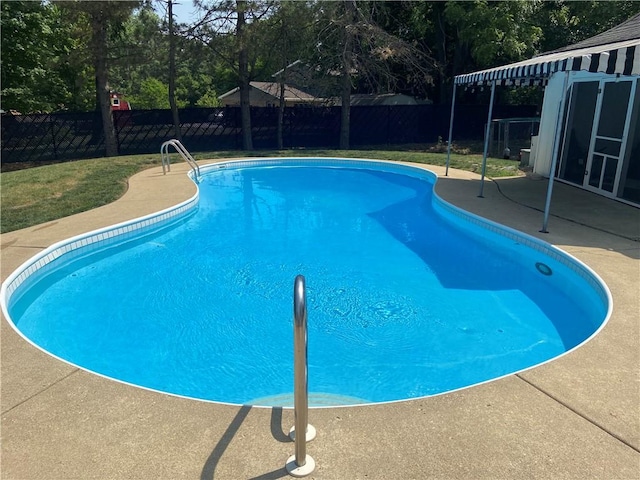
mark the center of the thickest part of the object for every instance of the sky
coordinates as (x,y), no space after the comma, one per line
(183,10)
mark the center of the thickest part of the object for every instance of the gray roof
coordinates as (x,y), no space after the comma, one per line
(382,99)
(627,30)
(273,88)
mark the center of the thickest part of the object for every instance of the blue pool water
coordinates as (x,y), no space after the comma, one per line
(407,297)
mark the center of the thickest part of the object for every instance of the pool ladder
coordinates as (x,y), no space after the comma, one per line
(186,156)
(300,464)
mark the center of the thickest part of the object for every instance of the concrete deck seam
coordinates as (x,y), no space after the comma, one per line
(40,392)
(495,182)
(585,417)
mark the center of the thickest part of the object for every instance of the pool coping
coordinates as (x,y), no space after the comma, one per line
(541,424)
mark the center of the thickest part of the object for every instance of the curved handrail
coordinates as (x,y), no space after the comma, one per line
(164,155)
(300,464)
(300,367)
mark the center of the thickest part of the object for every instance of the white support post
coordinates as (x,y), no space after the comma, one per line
(486,139)
(453,104)
(554,160)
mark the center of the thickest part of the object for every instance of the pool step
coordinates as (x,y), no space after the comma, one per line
(316,399)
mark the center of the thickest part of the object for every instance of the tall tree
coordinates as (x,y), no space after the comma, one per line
(99,25)
(139,53)
(227,27)
(105,18)
(288,36)
(172,73)
(242,42)
(353,45)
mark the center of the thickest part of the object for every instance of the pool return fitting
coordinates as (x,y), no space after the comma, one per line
(300,464)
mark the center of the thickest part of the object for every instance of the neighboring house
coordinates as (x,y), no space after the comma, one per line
(267,94)
(117,102)
(301,76)
(590,121)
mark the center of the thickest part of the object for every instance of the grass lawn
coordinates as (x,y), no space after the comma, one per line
(41,194)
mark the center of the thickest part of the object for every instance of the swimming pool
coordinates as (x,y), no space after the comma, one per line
(408,296)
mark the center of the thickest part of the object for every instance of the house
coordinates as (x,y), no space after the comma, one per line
(301,76)
(589,132)
(304,77)
(118,102)
(267,94)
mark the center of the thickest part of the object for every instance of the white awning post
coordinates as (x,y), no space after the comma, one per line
(453,104)
(486,139)
(556,150)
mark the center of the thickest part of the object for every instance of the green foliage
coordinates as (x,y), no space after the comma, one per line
(47,60)
(34,39)
(152,93)
(209,99)
(521,96)
(190,87)
(568,22)
(497,32)
(139,52)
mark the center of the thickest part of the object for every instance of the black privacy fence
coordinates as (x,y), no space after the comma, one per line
(67,136)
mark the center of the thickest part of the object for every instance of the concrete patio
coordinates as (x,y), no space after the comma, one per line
(577,417)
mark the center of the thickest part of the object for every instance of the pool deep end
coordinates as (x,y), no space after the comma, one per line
(408,295)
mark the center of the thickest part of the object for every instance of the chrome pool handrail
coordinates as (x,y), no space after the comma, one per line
(300,367)
(186,156)
(300,464)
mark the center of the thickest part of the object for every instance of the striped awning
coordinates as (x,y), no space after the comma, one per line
(614,58)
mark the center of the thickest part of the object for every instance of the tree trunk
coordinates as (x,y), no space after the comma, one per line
(347,66)
(177,133)
(99,40)
(441,53)
(243,73)
(281,113)
(460,55)
(345,111)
